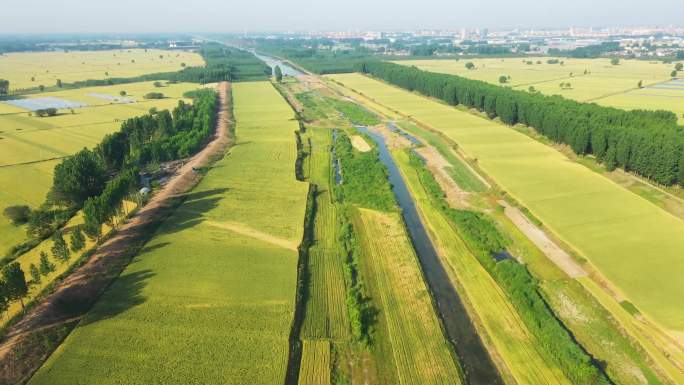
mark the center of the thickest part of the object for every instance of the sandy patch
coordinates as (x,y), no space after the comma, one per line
(360,144)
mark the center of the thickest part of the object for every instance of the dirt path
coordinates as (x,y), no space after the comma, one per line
(22,350)
(556,254)
(243,229)
(435,162)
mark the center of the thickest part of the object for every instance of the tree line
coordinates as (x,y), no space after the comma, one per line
(648,143)
(485,240)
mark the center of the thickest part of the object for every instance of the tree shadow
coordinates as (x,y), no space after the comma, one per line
(124,294)
(192,210)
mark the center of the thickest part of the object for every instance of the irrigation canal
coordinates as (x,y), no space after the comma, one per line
(474,359)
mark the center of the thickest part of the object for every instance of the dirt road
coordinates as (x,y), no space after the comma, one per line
(554,252)
(22,350)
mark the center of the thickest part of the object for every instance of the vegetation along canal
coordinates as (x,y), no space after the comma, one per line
(475,361)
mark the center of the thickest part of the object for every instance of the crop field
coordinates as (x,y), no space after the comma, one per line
(604,83)
(213,292)
(421,353)
(28,143)
(629,239)
(326,311)
(46,67)
(519,350)
(315,363)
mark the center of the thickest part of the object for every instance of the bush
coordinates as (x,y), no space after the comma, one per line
(18,215)
(154,95)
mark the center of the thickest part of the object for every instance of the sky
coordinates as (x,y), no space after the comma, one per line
(112,16)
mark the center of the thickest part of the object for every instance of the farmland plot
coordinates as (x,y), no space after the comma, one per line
(629,239)
(28,144)
(217,304)
(31,69)
(420,351)
(604,83)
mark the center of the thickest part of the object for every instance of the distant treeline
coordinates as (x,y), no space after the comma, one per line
(316,55)
(484,240)
(649,143)
(590,51)
(222,64)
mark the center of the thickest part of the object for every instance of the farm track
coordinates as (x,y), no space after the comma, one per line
(22,350)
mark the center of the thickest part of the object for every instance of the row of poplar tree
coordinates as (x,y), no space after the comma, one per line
(648,143)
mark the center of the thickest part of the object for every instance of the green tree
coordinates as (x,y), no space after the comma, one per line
(41,88)
(122,93)
(470,65)
(46,267)
(503,79)
(40,223)
(14,278)
(4,87)
(60,250)
(78,177)
(278,74)
(673,74)
(615,61)
(679,67)
(641,84)
(59,83)
(35,274)
(4,297)
(77,239)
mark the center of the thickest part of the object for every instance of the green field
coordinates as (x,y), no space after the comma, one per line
(46,67)
(213,292)
(604,83)
(27,139)
(315,363)
(420,351)
(629,239)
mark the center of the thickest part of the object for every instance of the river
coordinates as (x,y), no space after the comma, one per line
(474,359)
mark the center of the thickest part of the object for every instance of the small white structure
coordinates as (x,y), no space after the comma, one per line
(144,191)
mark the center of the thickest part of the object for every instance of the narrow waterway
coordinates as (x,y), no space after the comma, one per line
(474,359)
(273,62)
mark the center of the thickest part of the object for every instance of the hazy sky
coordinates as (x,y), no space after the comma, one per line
(302,15)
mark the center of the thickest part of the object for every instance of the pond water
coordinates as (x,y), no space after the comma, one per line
(474,358)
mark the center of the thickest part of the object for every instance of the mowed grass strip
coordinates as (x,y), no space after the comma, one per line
(315,363)
(421,352)
(201,304)
(634,243)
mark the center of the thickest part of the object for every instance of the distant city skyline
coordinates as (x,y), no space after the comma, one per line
(87,16)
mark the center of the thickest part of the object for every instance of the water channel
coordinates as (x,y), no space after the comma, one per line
(272,62)
(474,359)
